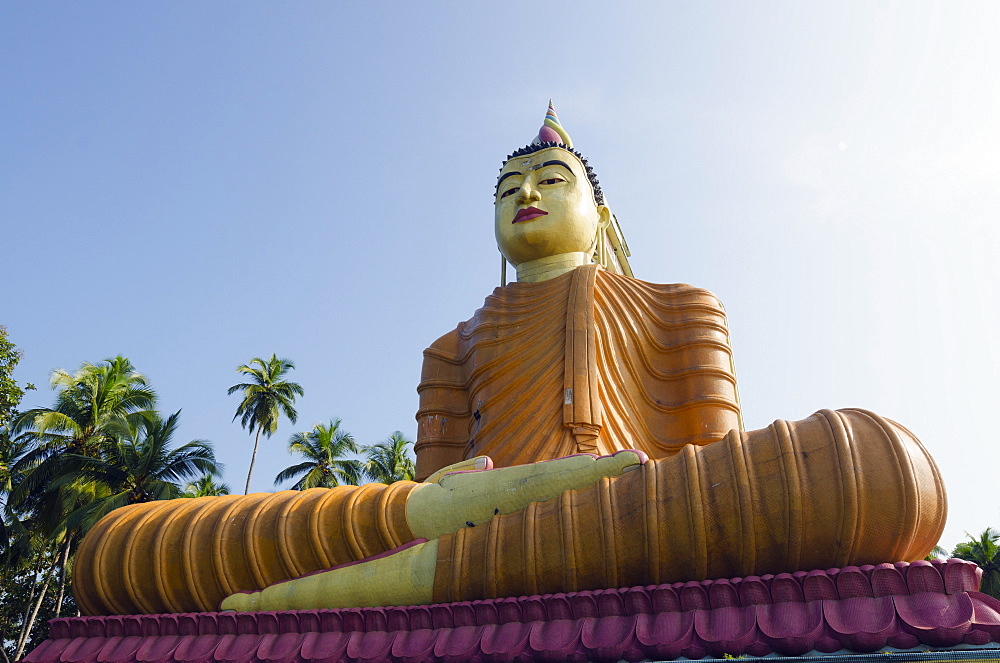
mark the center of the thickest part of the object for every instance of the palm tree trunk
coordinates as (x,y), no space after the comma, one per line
(253,459)
(26,632)
(31,599)
(62,576)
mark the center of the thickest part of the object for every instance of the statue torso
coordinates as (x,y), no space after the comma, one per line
(588,362)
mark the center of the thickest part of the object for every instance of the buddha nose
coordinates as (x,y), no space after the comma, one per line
(527,194)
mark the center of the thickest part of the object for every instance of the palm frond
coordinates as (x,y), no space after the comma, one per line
(325,449)
(390,460)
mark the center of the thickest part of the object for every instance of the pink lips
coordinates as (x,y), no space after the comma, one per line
(527,214)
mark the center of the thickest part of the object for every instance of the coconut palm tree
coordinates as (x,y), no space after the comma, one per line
(985,552)
(323,448)
(938,552)
(92,405)
(265,398)
(390,460)
(94,408)
(205,486)
(141,467)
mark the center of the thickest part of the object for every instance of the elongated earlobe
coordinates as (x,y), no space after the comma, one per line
(604,214)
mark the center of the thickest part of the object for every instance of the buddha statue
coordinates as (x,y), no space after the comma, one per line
(581,431)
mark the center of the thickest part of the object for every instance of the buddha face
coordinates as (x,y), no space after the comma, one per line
(545,206)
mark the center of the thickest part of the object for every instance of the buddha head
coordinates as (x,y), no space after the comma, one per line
(549,207)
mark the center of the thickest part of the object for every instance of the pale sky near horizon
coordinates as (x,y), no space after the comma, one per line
(194,184)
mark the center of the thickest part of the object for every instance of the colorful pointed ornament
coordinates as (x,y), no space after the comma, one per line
(552,131)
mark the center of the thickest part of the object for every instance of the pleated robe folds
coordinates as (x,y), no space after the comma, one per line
(588,362)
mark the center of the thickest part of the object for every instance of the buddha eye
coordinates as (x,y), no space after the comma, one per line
(508,192)
(552,180)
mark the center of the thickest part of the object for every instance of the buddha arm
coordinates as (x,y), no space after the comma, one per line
(443,417)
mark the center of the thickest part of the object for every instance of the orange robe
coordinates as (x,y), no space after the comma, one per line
(588,362)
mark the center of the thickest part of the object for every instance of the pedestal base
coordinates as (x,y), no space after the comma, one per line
(917,606)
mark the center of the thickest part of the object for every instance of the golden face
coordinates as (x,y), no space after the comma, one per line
(545,206)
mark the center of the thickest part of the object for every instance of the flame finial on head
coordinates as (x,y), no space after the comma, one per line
(552,131)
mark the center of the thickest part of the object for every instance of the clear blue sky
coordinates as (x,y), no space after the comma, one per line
(194,184)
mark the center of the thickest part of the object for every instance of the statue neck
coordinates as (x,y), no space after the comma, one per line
(550,267)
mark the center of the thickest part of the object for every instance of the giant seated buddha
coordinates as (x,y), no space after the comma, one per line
(581,431)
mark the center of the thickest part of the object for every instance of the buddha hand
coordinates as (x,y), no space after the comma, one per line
(469,498)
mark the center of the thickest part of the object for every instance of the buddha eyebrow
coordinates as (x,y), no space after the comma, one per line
(506,175)
(557,163)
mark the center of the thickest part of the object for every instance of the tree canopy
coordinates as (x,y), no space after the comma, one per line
(205,486)
(324,466)
(985,552)
(100,446)
(10,392)
(390,460)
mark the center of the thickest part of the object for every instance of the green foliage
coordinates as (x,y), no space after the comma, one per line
(102,445)
(139,467)
(205,486)
(95,408)
(937,553)
(390,460)
(985,552)
(10,393)
(97,403)
(323,449)
(265,398)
